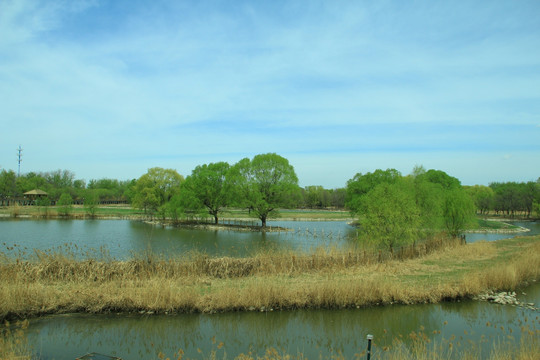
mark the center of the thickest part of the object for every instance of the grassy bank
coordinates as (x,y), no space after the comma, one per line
(324,279)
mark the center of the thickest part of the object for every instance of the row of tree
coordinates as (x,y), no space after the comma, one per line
(262,184)
(394,206)
(56,183)
(508,198)
(100,191)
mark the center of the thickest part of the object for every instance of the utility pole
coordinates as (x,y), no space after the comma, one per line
(19,159)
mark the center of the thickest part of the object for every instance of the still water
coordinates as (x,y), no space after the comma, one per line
(315,334)
(120,239)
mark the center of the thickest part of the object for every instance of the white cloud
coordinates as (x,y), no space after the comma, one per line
(191,81)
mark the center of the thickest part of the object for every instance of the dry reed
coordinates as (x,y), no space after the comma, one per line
(57,283)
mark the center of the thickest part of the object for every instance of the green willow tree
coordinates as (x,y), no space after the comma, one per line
(264,184)
(458,211)
(208,187)
(395,210)
(155,188)
(391,216)
(429,201)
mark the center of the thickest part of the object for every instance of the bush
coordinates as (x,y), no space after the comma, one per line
(65,204)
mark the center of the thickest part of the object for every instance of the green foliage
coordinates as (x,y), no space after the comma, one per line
(361,185)
(91,202)
(43,203)
(145,198)
(208,187)
(317,197)
(175,209)
(396,210)
(391,215)
(111,189)
(536,208)
(429,200)
(264,184)
(458,211)
(440,177)
(483,197)
(8,184)
(512,197)
(155,188)
(65,204)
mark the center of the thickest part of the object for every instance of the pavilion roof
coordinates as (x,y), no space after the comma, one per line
(36,192)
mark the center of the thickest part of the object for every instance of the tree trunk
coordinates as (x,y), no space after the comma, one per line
(263,222)
(216,221)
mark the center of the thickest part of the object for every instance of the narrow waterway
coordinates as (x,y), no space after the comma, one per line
(322,333)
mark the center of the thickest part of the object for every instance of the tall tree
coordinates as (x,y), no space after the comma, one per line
(208,187)
(391,215)
(264,184)
(458,211)
(155,188)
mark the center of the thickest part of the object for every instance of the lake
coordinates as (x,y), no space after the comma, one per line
(120,239)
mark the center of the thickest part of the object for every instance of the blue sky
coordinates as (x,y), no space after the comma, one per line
(112,88)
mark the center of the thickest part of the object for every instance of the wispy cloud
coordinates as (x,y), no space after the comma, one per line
(169,81)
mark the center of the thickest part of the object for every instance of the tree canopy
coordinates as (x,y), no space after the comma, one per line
(264,184)
(396,210)
(209,187)
(391,216)
(361,184)
(155,188)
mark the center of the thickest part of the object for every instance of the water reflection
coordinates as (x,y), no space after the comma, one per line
(121,239)
(312,333)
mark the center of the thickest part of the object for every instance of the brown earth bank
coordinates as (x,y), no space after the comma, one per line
(330,279)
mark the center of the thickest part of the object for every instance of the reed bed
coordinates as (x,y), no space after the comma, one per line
(58,283)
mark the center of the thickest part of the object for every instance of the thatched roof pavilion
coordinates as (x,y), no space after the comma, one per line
(35,193)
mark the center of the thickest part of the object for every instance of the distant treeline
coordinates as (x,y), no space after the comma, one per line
(114,191)
(507,198)
(56,183)
(158,186)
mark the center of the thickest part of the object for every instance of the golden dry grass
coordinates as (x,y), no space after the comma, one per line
(324,279)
